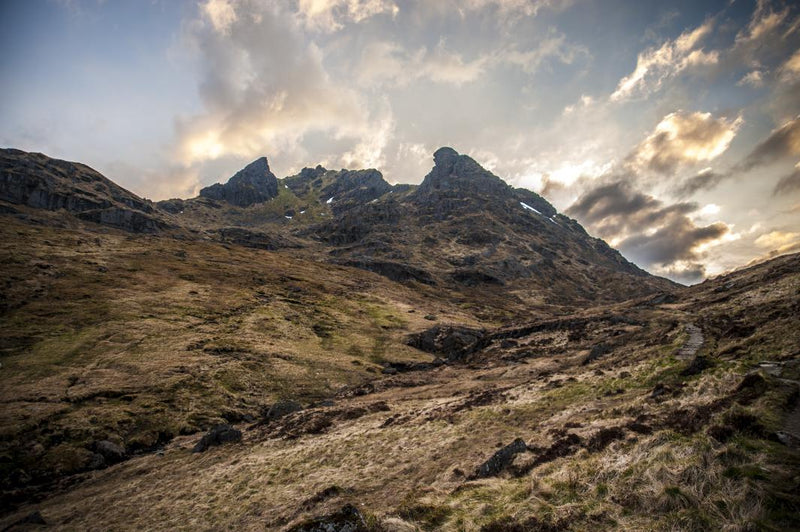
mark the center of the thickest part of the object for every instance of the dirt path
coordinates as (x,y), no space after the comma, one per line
(693,344)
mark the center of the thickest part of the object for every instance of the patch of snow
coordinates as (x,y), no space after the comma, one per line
(526,206)
(302,212)
(555,222)
(288,217)
(330,200)
(285,186)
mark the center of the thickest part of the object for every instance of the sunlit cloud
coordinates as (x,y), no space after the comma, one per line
(763,23)
(684,138)
(249,109)
(790,71)
(331,15)
(221,13)
(654,66)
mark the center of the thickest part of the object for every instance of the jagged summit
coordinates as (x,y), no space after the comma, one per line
(456,174)
(255,183)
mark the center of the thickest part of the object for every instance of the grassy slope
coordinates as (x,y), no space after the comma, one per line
(134,339)
(189,331)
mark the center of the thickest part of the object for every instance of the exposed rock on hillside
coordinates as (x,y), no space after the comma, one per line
(40,182)
(254,183)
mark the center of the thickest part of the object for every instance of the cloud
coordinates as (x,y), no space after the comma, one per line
(705,179)
(779,242)
(655,65)
(684,138)
(264,88)
(660,237)
(789,183)
(790,70)
(332,15)
(221,14)
(781,143)
(676,240)
(762,24)
(389,63)
(754,78)
(553,46)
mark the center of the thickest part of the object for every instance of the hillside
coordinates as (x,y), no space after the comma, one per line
(455,355)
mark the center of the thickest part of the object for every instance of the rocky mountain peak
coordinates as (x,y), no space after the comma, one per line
(456,174)
(255,183)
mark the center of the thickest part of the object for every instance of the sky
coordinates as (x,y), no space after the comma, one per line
(669,129)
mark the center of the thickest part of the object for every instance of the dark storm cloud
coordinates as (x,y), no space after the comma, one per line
(675,241)
(648,231)
(789,183)
(782,142)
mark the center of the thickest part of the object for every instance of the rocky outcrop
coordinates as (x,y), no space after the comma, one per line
(458,177)
(396,271)
(449,341)
(218,435)
(40,182)
(501,459)
(354,187)
(255,183)
(348,519)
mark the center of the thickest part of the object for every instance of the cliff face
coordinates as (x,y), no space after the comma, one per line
(37,181)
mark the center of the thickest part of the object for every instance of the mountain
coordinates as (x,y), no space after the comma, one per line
(350,354)
(254,183)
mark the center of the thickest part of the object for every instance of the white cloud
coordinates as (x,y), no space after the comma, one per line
(388,63)
(264,88)
(654,66)
(331,15)
(517,7)
(221,13)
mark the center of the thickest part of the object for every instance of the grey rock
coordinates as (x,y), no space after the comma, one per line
(217,436)
(348,519)
(501,459)
(448,340)
(40,182)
